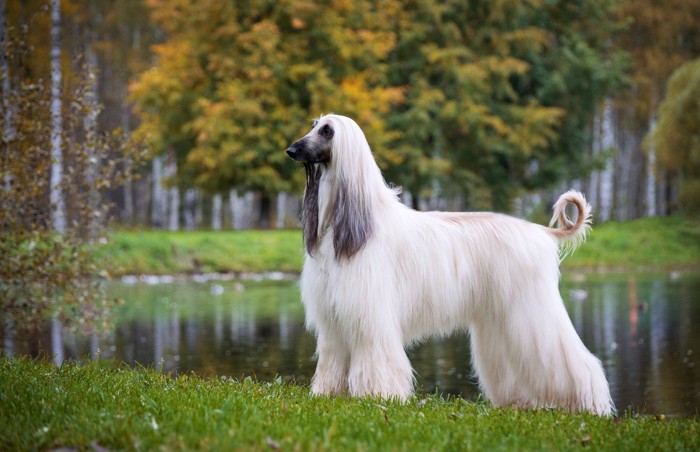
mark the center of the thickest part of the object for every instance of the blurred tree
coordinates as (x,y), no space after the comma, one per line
(46,269)
(501,94)
(659,38)
(676,136)
(234,85)
(121,35)
(488,99)
(58,204)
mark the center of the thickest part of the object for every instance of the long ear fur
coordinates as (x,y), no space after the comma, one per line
(351,220)
(309,211)
(357,186)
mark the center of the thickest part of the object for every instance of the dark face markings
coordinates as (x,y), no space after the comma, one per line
(315,147)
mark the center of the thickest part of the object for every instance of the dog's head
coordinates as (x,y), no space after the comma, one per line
(337,148)
(315,146)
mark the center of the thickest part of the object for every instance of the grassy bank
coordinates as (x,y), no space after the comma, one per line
(90,406)
(656,242)
(162,252)
(648,243)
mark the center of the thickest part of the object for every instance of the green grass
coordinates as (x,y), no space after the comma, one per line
(648,243)
(162,252)
(85,406)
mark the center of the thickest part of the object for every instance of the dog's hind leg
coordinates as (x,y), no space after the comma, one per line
(531,356)
(497,376)
(331,377)
(557,368)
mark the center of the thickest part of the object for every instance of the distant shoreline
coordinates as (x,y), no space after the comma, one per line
(655,244)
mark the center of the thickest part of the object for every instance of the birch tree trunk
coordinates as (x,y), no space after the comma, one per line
(236,215)
(58,205)
(158,204)
(651,184)
(241,209)
(90,127)
(57,340)
(605,178)
(128,211)
(8,134)
(281,210)
(216,212)
(190,213)
(174,209)
(8,129)
(174,196)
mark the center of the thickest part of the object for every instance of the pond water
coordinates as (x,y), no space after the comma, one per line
(642,327)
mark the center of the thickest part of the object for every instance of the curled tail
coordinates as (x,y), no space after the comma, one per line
(570,234)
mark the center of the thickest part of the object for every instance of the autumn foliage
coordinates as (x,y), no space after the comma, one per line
(477,99)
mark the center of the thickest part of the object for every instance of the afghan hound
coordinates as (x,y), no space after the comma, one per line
(379,277)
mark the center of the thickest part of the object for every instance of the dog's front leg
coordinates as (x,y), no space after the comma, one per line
(380,367)
(331,377)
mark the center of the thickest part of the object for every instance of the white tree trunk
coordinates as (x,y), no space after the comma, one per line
(90,127)
(8,130)
(174,217)
(190,213)
(174,197)
(236,214)
(128,212)
(58,205)
(9,339)
(605,179)
(216,212)
(57,340)
(651,175)
(158,205)
(241,209)
(281,210)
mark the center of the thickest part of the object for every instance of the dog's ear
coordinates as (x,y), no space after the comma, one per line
(309,211)
(351,220)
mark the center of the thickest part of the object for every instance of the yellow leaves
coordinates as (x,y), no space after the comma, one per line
(522,39)
(301,13)
(297,23)
(496,125)
(262,37)
(163,85)
(505,66)
(363,97)
(379,43)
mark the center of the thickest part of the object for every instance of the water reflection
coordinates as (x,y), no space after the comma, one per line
(640,326)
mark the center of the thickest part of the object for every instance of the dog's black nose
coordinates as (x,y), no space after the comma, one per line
(292,151)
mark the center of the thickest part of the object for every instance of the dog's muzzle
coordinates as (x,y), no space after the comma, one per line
(293,151)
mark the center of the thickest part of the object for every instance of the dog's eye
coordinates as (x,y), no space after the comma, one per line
(326,132)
